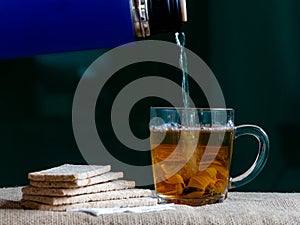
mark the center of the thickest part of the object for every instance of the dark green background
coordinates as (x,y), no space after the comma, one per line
(253,48)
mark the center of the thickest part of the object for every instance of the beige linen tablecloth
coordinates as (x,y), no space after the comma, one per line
(239,208)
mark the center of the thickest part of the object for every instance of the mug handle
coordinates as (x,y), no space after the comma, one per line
(261,158)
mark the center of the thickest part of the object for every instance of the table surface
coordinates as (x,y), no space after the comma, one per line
(239,208)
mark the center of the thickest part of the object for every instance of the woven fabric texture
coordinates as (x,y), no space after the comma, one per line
(239,208)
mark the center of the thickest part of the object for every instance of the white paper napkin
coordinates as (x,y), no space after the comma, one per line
(140,209)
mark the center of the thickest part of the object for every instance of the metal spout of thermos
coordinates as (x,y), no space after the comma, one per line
(155,16)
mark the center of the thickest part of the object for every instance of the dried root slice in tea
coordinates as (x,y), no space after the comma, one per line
(194,194)
(219,187)
(175,179)
(208,182)
(178,183)
(212,172)
(200,182)
(222,171)
(170,189)
(211,180)
(203,179)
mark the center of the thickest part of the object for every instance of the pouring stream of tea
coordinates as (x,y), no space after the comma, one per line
(183,66)
(187,118)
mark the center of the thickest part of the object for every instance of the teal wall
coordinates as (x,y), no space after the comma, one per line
(253,48)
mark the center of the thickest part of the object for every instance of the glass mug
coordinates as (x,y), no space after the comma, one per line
(191,151)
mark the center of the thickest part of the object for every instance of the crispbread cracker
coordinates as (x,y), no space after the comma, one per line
(78,183)
(107,186)
(101,196)
(69,172)
(131,202)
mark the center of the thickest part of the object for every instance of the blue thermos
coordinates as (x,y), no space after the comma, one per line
(32,27)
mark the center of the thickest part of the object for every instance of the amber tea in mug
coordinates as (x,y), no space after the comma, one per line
(191,151)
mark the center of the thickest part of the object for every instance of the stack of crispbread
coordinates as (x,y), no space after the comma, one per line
(69,187)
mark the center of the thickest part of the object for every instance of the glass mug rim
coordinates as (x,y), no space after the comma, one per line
(191,108)
(203,117)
